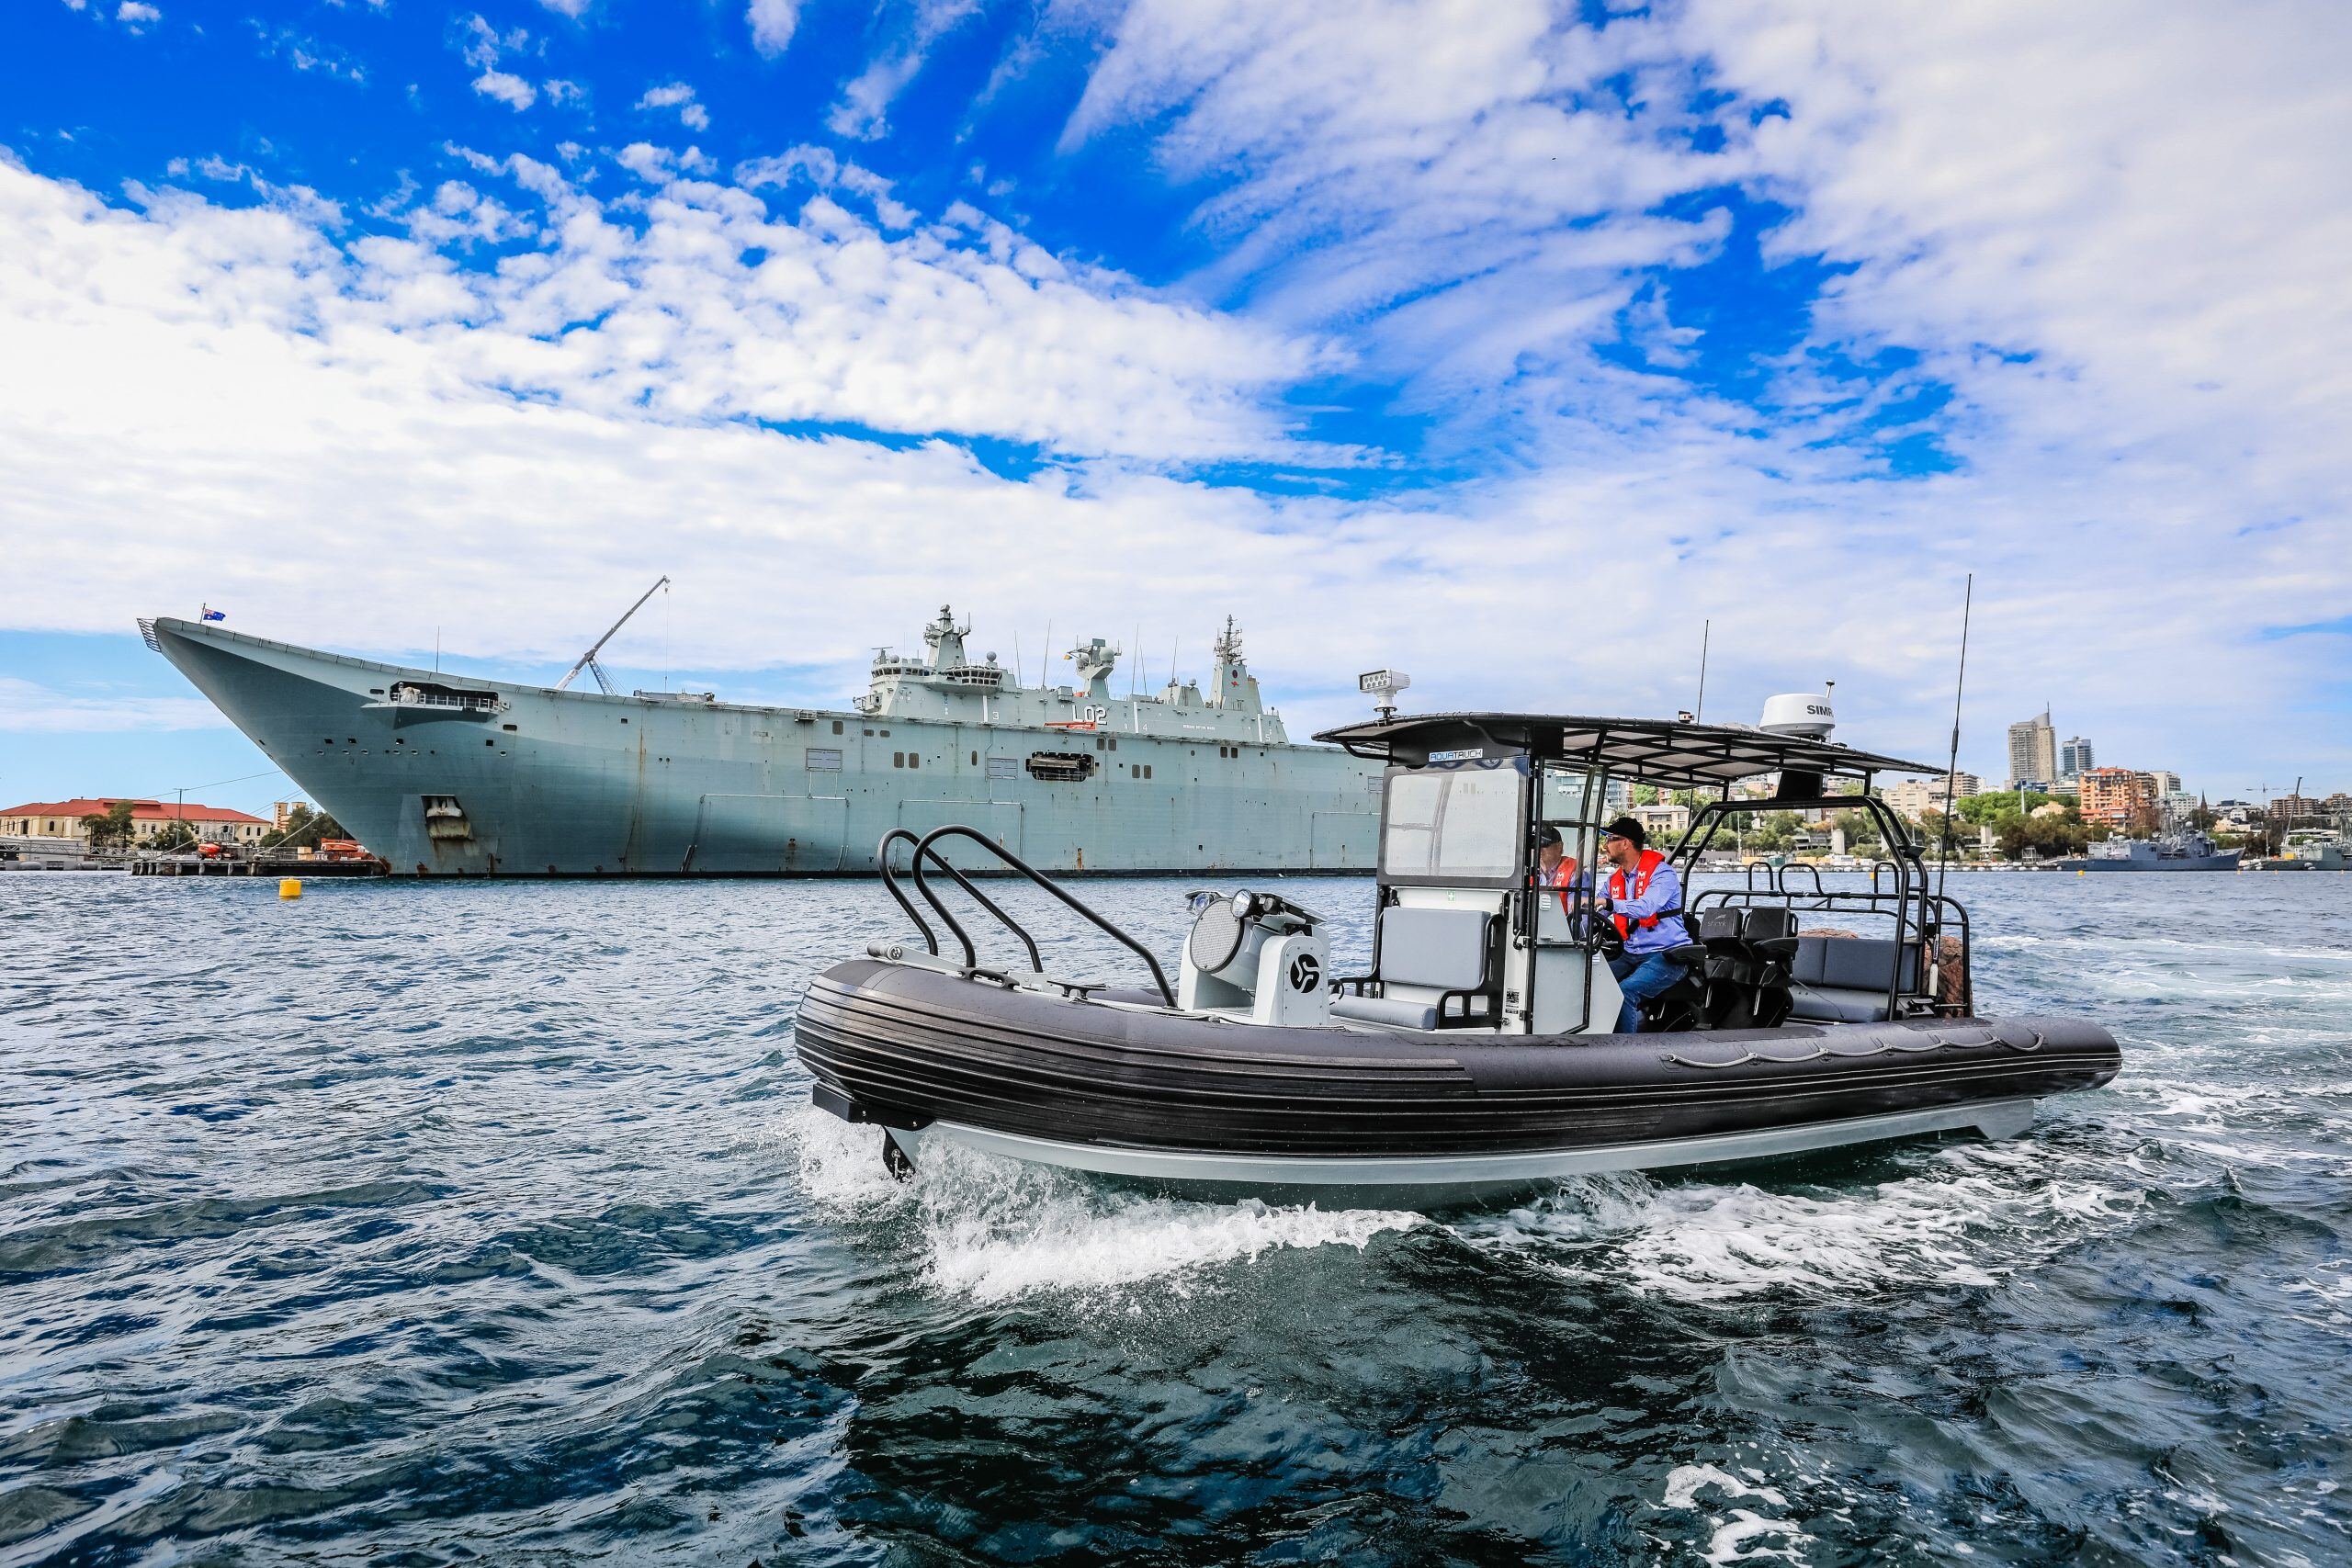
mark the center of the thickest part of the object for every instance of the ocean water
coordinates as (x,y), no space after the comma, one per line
(489,1223)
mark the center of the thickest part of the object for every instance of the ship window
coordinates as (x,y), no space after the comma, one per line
(976,759)
(837,726)
(1146,770)
(886,735)
(1135,770)
(1115,743)
(824,759)
(870,729)
(898,758)
(914,759)
(508,728)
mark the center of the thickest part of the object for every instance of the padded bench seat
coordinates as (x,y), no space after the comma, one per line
(1425,952)
(1398,1013)
(1842,979)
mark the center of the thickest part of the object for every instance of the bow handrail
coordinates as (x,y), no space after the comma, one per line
(925,849)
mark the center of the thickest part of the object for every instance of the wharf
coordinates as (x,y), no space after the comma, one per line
(198,865)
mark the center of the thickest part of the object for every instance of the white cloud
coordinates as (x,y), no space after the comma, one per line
(677,95)
(2129,271)
(567,8)
(772,22)
(27,706)
(507,88)
(588,407)
(137,15)
(865,105)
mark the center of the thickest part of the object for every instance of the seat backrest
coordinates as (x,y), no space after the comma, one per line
(1854,963)
(1719,924)
(1766,923)
(1443,949)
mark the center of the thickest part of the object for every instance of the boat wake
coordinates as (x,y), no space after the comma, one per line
(992,1230)
(1971,1217)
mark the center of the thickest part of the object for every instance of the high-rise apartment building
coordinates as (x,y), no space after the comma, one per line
(2033,750)
(2074,759)
(2111,795)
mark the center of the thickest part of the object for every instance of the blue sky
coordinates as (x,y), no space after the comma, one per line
(1500,341)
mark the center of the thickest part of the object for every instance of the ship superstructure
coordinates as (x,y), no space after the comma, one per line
(449,775)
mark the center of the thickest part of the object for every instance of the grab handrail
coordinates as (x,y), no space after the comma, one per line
(925,849)
(1036,960)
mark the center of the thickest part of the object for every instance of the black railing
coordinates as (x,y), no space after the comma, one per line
(925,851)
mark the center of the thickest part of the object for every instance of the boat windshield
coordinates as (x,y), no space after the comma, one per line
(1452,824)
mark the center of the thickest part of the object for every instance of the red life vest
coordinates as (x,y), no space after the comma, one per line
(1564,878)
(1649,863)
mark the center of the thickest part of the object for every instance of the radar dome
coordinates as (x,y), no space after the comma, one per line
(1803,713)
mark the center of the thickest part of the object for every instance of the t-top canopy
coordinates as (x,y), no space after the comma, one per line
(1660,752)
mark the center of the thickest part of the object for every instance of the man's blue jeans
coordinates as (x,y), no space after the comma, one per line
(1639,976)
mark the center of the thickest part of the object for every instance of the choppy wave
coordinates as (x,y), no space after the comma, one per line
(366,1228)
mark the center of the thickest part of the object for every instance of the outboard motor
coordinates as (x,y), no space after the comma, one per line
(1259,951)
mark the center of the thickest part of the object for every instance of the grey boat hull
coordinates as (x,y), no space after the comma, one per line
(540,782)
(1215,1107)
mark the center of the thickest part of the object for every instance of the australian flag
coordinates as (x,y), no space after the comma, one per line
(212,614)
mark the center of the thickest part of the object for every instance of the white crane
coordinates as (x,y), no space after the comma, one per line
(588,660)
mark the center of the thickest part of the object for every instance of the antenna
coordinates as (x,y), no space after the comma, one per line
(1951,767)
(1699,714)
(588,660)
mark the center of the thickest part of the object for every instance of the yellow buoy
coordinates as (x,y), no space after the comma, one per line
(2080,871)
(290,887)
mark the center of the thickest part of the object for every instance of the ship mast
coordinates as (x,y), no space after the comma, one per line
(588,660)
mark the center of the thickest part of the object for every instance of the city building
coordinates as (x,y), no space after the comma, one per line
(63,820)
(2033,751)
(1664,822)
(2167,782)
(2074,759)
(2111,796)
(1916,798)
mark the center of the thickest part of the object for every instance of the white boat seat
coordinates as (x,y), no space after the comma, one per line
(1843,979)
(1432,950)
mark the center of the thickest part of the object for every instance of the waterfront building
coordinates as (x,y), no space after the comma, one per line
(2111,796)
(1664,822)
(63,820)
(2033,750)
(2074,759)
(1915,798)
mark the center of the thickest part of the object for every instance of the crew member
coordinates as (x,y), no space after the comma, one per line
(1555,867)
(1645,897)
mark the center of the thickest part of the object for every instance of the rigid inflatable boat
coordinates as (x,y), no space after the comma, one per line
(1477,1055)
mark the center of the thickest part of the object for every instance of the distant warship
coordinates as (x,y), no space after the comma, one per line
(2177,852)
(445,775)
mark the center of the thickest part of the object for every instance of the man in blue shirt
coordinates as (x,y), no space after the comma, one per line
(1645,897)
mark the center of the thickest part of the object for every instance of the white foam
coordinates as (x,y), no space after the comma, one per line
(1684,1485)
(1972,1217)
(995,1229)
(1729,1542)
(1725,1547)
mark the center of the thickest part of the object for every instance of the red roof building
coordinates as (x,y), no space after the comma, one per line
(63,820)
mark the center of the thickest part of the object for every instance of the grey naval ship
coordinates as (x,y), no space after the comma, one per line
(447,775)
